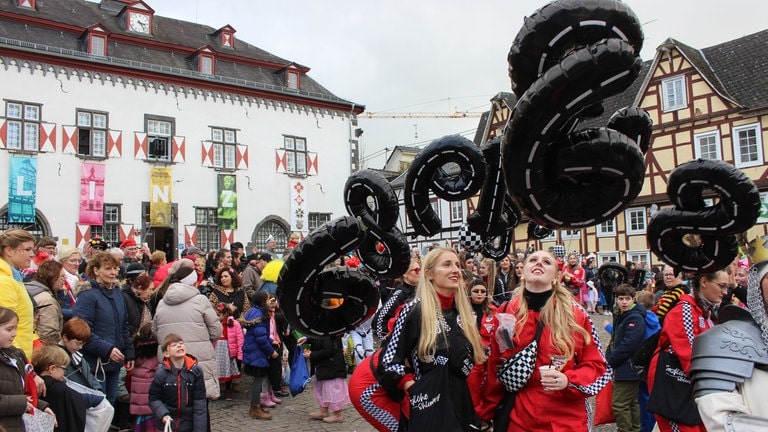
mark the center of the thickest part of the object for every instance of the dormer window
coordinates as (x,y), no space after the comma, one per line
(95,40)
(292,79)
(225,36)
(97,45)
(27,4)
(206,64)
(204,60)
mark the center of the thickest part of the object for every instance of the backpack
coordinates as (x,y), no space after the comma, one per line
(642,357)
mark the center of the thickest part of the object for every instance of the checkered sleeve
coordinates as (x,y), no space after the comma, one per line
(386,312)
(679,327)
(401,344)
(590,371)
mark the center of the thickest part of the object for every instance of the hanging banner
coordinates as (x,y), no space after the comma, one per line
(22,186)
(298,206)
(227,211)
(160,197)
(91,194)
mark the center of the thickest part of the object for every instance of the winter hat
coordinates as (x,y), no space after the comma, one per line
(181,269)
(129,242)
(134,270)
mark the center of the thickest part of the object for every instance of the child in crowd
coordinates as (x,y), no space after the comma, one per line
(142,375)
(652,326)
(74,335)
(50,362)
(257,350)
(13,374)
(229,350)
(278,327)
(628,335)
(330,383)
(177,393)
(593,298)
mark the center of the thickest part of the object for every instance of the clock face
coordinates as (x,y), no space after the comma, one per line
(139,23)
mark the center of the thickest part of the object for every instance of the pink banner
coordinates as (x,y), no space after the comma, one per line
(92,194)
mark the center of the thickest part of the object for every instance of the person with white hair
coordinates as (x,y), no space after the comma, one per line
(729,364)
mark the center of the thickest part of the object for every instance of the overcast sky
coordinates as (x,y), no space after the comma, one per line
(431,55)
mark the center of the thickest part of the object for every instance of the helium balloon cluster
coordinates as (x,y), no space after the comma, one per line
(569,57)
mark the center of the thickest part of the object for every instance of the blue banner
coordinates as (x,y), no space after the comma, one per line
(22,186)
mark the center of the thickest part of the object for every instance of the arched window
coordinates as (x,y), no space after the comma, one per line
(40,228)
(271,226)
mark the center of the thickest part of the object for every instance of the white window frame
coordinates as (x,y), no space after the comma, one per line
(638,256)
(224,148)
(679,96)
(22,126)
(206,64)
(603,230)
(697,144)
(92,125)
(295,155)
(457,211)
(737,148)
(628,220)
(568,234)
(160,129)
(604,257)
(98,45)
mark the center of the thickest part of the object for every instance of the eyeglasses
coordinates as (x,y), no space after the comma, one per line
(63,368)
(479,292)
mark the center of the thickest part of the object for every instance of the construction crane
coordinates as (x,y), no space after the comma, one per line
(420,115)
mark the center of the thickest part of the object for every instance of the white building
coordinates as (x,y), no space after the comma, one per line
(89,86)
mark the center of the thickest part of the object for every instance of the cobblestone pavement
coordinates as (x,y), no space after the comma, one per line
(293,413)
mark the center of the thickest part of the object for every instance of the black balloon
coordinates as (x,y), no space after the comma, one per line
(612,274)
(385,251)
(319,302)
(537,231)
(697,237)
(451,167)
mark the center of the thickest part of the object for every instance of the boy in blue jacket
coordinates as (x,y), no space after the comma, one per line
(628,335)
(177,393)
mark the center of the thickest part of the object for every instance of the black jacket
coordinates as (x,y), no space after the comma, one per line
(180,393)
(628,335)
(327,358)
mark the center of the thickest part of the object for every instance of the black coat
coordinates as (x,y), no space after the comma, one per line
(180,393)
(327,358)
(67,404)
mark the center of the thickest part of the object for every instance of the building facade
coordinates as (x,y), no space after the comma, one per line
(118,122)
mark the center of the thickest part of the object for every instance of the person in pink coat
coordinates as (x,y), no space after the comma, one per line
(142,375)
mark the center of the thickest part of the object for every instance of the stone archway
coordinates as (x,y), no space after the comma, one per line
(274,226)
(41,227)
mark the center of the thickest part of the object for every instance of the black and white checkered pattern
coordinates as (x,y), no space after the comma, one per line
(688,321)
(388,355)
(382,415)
(469,240)
(517,370)
(603,380)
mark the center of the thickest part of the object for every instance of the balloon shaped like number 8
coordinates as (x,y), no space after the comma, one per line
(697,237)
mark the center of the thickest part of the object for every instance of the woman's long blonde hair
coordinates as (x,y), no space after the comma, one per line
(430,308)
(557,314)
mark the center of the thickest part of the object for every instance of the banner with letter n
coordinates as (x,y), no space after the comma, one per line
(227,211)
(22,189)
(160,195)
(91,194)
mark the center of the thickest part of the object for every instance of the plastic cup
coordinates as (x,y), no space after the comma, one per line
(545,371)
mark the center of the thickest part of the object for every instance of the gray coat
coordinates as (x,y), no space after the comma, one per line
(190,315)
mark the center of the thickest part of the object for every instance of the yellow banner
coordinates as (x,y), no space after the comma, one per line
(160,182)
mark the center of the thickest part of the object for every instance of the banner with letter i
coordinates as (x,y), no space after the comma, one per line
(91,194)
(160,181)
(22,187)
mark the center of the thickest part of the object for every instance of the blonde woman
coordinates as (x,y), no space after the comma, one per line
(434,337)
(556,399)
